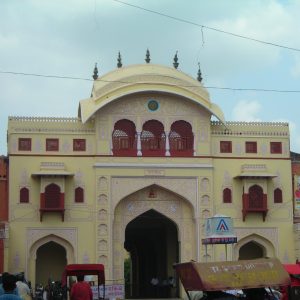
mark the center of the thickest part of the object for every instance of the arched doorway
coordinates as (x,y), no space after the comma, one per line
(254,246)
(152,242)
(50,262)
(252,250)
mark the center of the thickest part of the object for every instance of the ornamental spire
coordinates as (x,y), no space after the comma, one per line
(147,59)
(95,76)
(175,63)
(119,64)
(199,77)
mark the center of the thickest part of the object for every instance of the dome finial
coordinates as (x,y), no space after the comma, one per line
(199,77)
(147,59)
(95,76)
(175,63)
(119,65)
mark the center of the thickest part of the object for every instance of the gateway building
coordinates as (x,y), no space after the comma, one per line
(134,177)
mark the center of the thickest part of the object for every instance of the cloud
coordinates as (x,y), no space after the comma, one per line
(247,110)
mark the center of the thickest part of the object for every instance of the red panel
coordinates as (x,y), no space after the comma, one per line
(52,200)
(225,146)
(24,144)
(52,144)
(124,138)
(277,195)
(153,139)
(276,147)
(181,139)
(79,144)
(255,201)
(79,195)
(24,195)
(227,195)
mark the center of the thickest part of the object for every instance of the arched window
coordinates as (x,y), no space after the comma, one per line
(24,195)
(153,139)
(181,139)
(277,195)
(79,195)
(256,197)
(227,195)
(124,138)
(52,196)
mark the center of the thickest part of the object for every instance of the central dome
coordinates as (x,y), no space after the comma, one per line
(144,78)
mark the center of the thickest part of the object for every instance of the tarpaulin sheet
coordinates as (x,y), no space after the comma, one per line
(243,274)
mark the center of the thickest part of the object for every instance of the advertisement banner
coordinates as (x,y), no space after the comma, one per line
(297,192)
(113,291)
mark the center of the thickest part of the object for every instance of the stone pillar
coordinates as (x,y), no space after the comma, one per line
(139,145)
(167,144)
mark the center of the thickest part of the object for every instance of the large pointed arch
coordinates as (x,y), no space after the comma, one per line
(157,200)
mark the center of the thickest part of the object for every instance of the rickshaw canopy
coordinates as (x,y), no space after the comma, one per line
(294,271)
(84,269)
(227,275)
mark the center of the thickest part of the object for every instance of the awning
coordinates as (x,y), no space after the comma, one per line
(227,275)
(256,175)
(52,173)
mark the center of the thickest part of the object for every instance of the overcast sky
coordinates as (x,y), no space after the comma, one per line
(67,37)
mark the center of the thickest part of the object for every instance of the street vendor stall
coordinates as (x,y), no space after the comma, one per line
(85,269)
(232,275)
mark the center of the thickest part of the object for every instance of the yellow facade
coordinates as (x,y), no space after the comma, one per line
(118,190)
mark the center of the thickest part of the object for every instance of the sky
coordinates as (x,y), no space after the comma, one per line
(66,38)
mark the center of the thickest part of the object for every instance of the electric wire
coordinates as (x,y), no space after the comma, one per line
(130,82)
(207,27)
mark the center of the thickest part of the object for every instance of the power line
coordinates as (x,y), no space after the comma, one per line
(207,27)
(129,82)
(44,75)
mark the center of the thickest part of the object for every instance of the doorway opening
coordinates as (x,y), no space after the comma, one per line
(252,250)
(151,240)
(50,263)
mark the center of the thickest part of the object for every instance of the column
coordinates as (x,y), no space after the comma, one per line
(139,145)
(167,144)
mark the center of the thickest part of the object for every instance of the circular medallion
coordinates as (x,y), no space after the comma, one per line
(153,105)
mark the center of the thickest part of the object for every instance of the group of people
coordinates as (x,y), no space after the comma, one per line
(13,287)
(163,288)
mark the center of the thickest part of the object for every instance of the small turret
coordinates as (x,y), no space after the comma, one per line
(95,76)
(199,77)
(176,63)
(119,65)
(147,59)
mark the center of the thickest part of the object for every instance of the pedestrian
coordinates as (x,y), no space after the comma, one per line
(81,290)
(23,288)
(9,285)
(2,291)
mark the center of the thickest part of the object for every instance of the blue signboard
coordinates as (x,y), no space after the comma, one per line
(219,230)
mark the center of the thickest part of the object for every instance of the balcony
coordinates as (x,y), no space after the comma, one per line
(52,203)
(253,203)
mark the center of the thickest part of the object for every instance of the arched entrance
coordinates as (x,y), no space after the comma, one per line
(152,241)
(252,250)
(50,262)
(254,246)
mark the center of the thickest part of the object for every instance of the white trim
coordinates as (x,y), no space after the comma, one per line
(160,166)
